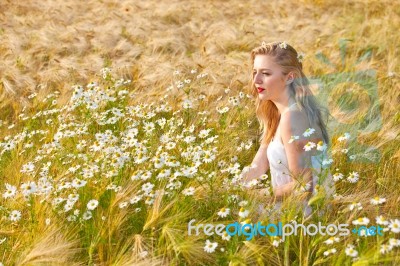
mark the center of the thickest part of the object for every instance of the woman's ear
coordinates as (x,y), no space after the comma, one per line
(290,78)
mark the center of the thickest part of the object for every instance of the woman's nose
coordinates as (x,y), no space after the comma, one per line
(257,79)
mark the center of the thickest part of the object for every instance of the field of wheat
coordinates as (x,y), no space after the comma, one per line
(122,121)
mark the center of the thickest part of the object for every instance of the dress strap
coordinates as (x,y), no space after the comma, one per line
(288,108)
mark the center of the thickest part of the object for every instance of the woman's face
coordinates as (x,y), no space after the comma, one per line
(268,78)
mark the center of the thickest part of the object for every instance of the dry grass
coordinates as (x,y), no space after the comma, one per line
(54,44)
(50,45)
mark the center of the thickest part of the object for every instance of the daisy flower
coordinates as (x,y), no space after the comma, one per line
(77,183)
(187,104)
(208,156)
(224,212)
(123,204)
(321,146)
(264,44)
(251,183)
(225,236)
(147,187)
(350,251)
(283,45)
(337,176)
(308,132)
(188,191)
(361,221)
(395,226)
(247,221)
(243,203)
(304,188)
(234,100)
(135,199)
(222,110)
(11,191)
(210,246)
(170,145)
(377,200)
(330,251)
(394,242)
(355,206)
(353,177)
(331,240)
(346,136)
(300,57)
(243,213)
(293,138)
(309,146)
(381,220)
(385,248)
(87,215)
(15,216)
(92,204)
(327,161)
(204,133)
(28,168)
(276,242)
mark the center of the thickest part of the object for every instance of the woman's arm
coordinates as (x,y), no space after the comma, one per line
(288,189)
(259,166)
(295,123)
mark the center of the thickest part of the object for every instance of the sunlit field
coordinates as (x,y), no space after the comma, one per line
(122,121)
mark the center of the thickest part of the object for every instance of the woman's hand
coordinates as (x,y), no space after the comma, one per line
(264,194)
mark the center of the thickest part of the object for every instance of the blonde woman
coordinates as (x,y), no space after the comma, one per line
(294,136)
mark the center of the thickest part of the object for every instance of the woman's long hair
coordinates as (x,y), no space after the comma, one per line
(266,111)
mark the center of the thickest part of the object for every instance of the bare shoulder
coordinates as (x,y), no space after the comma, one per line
(294,122)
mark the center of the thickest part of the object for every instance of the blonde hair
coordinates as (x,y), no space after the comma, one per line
(266,111)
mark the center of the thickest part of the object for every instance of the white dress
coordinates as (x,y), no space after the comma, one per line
(280,171)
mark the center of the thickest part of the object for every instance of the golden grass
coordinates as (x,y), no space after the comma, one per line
(54,44)
(49,46)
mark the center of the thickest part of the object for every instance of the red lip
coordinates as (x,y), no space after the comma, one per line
(260,90)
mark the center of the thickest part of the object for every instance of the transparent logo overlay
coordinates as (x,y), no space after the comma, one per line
(279,229)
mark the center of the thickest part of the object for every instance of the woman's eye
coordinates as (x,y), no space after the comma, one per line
(264,73)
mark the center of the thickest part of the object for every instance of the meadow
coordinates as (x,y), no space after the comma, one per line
(122,121)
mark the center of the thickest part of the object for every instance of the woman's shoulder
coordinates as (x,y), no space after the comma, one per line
(294,118)
(295,123)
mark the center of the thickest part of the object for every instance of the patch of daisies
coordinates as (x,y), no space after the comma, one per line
(98,142)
